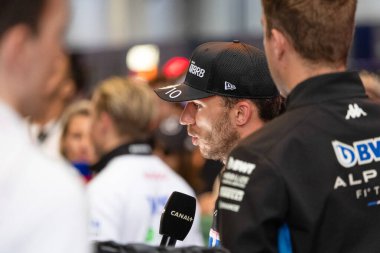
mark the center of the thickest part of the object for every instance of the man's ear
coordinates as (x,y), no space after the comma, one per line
(279,43)
(106,121)
(15,47)
(243,112)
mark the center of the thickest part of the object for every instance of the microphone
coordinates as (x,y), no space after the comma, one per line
(177,218)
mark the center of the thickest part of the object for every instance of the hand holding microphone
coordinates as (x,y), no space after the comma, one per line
(177,218)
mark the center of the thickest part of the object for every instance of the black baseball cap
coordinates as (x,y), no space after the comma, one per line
(229,69)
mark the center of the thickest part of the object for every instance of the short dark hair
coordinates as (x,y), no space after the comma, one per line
(319,30)
(268,108)
(26,12)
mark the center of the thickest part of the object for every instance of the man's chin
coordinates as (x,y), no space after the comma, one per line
(207,154)
(204,152)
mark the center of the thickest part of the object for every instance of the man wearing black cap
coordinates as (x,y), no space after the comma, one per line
(230,94)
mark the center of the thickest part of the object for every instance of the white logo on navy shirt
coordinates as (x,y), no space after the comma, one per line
(354,111)
(240,166)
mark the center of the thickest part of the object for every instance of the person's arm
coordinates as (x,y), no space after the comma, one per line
(252,203)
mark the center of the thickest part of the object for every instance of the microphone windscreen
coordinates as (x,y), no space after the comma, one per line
(178,216)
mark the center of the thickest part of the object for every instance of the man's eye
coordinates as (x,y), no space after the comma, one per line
(198,106)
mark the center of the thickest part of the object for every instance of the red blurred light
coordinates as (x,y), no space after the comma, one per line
(175,67)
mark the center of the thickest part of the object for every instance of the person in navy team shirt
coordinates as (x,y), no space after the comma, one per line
(312,174)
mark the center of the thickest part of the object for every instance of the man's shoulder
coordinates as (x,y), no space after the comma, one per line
(56,174)
(46,183)
(274,133)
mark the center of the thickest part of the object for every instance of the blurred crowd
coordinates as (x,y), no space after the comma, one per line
(126,144)
(68,132)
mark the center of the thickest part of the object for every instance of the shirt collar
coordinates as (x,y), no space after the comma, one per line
(134,148)
(324,88)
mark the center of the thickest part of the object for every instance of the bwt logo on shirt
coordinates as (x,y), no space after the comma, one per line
(240,166)
(195,70)
(362,152)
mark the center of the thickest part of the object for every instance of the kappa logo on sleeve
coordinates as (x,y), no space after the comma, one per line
(361,152)
(354,112)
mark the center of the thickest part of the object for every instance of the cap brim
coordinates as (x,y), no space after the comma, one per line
(180,92)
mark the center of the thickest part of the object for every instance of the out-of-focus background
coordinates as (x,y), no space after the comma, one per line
(152,40)
(102,32)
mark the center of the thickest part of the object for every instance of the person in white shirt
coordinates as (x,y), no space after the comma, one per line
(132,185)
(42,202)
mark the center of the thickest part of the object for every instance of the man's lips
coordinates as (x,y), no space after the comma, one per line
(194,137)
(194,140)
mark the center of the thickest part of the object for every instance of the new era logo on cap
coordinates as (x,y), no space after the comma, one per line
(212,63)
(229,86)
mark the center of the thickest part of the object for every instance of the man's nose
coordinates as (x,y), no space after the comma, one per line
(188,115)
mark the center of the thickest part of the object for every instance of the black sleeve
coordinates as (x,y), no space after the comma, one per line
(252,203)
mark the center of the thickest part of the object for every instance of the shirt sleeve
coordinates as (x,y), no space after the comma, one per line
(252,203)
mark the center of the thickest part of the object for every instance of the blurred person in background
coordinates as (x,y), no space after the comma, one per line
(42,203)
(371,82)
(75,144)
(171,142)
(47,129)
(132,185)
(230,95)
(312,173)
(174,147)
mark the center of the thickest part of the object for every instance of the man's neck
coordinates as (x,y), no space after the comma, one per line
(7,98)
(112,141)
(52,115)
